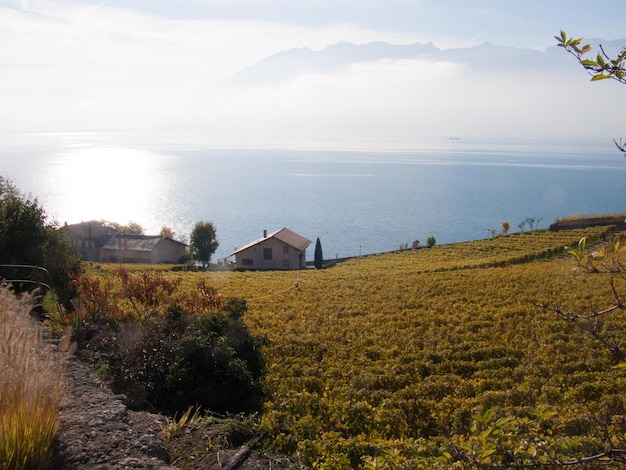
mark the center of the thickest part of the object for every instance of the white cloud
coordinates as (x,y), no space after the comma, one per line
(94,67)
(71,66)
(400,101)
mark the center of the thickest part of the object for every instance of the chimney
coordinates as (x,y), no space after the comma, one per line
(264,233)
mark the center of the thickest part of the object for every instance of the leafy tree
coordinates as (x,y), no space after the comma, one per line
(6,187)
(431,241)
(133,228)
(601,68)
(506,226)
(22,228)
(531,221)
(26,238)
(203,242)
(319,257)
(167,232)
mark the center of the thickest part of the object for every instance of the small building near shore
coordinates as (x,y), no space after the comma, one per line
(282,249)
(149,249)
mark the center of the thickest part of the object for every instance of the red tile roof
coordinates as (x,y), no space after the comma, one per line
(284,235)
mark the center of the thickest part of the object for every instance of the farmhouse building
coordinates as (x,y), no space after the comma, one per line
(282,249)
(142,249)
(96,241)
(88,238)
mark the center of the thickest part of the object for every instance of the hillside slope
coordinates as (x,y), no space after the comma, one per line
(392,358)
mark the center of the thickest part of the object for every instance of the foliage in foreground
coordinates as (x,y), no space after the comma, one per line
(166,349)
(30,389)
(601,67)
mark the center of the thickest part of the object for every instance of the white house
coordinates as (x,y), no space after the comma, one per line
(282,249)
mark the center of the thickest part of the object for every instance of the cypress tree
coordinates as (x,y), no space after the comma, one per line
(319,257)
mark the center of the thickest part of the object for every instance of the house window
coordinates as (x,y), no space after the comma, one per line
(285,263)
(285,249)
(267,253)
(246,261)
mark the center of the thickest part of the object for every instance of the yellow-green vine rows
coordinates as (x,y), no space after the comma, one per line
(435,358)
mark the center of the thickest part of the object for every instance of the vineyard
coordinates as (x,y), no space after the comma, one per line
(436,357)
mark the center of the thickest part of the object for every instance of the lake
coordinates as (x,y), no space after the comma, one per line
(356,201)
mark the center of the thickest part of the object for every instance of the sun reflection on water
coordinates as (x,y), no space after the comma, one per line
(115,184)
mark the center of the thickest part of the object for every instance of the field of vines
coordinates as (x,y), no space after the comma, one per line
(439,357)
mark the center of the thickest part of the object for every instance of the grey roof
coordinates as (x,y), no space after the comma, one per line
(134,242)
(284,235)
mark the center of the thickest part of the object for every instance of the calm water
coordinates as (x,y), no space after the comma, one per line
(355,201)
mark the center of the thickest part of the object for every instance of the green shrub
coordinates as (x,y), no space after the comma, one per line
(176,360)
(28,238)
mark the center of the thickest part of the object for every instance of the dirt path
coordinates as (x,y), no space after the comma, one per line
(98,431)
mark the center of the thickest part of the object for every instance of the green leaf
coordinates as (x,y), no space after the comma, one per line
(503,421)
(486,454)
(597,256)
(485,434)
(586,48)
(589,63)
(599,77)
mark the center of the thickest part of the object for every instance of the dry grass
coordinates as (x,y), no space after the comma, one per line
(172,427)
(30,388)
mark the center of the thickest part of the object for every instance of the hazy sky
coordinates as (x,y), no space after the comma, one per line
(127,65)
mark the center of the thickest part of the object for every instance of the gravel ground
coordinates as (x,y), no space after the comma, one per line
(98,431)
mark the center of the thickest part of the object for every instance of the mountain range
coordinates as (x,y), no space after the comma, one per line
(288,64)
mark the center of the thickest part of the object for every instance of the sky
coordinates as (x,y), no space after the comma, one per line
(163,66)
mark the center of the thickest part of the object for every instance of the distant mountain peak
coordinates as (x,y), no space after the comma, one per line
(286,65)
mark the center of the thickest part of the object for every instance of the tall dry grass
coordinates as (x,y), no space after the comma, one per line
(31,377)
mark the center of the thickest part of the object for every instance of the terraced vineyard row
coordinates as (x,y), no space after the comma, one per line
(498,251)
